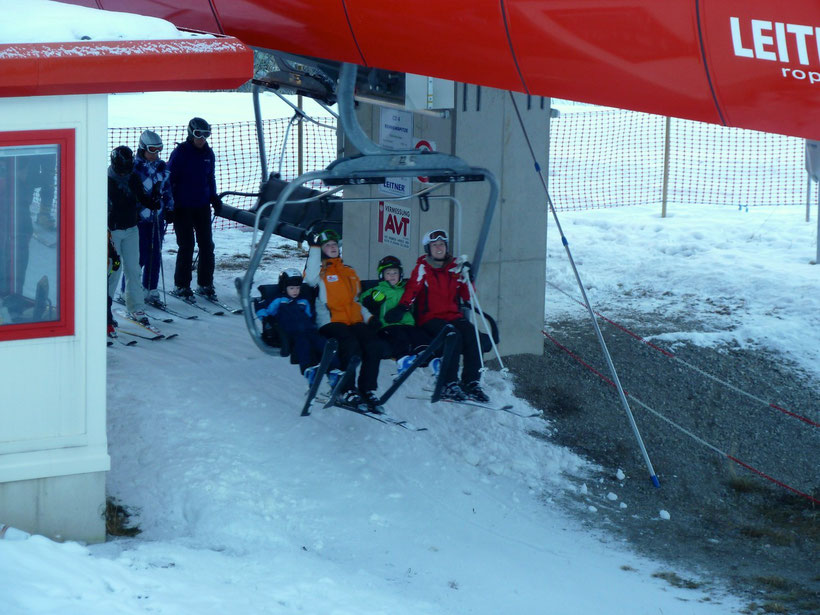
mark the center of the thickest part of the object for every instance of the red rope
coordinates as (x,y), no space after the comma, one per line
(774,480)
(736,460)
(797,416)
(671,355)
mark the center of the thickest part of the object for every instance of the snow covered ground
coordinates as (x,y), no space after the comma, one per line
(740,277)
(246,507)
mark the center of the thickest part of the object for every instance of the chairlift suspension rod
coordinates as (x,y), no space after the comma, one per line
(652,475)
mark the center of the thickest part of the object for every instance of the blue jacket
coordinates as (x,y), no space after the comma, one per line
(293,315)
(154,173)
(193,182)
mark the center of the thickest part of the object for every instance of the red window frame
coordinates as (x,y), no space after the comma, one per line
(64,325)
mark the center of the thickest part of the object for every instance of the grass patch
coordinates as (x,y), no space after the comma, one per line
(743,484)
(676,581)
(117,519)
(774,581)
(774,607)
(771,535)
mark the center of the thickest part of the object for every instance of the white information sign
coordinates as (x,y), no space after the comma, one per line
(394,225)
(396,132)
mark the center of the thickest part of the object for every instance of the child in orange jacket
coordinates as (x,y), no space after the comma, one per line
(340,316)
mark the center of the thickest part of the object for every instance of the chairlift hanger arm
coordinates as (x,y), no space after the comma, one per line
(375,162)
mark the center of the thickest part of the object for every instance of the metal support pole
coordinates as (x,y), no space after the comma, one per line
(817,256)
(260,135)
(808,197)
(301,141)
(666,140)
(652,475)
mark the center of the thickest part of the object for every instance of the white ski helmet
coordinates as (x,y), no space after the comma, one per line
(150,142)
(434,235)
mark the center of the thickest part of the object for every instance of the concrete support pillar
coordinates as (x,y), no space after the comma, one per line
(61,507)
(483,129)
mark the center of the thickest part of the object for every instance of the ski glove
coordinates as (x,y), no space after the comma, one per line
(396,314)
(154,202)
(216,202)
(373,302)
(467,267)
(169,216)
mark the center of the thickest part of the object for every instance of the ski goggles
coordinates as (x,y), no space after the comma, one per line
(438,235)
(153,149)
(201,134)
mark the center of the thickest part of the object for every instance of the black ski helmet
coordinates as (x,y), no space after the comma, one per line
(389,262)
(435,235)
(289,277)
(198,128)
(150,142)
(122,159)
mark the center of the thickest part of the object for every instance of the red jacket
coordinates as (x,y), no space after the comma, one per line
(435,291)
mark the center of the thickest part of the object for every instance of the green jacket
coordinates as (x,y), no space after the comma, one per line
(383,297)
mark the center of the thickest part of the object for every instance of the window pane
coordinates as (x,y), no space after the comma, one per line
(29,234)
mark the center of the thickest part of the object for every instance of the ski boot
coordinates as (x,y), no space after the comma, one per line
(474,392)
(452,392)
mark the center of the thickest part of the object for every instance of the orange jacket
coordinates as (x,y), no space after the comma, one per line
(338,286)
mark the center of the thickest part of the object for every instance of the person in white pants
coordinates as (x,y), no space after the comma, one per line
(126,196)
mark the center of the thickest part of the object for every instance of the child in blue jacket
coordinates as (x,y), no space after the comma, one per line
(297,320)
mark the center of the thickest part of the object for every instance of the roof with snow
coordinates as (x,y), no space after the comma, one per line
(48,48)
(90,67)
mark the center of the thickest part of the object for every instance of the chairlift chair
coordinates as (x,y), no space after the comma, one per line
(372,166)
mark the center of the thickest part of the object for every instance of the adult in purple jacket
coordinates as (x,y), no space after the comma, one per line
(192,165)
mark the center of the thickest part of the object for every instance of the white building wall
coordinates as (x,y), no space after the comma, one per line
(52,401)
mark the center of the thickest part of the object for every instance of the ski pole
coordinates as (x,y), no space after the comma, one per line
(154,231)
(653,477)
(477,307)
(466,279)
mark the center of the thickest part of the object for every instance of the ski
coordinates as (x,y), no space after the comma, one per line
(121,341)
(121,300)
(508,408)
(381,417)
(421,359)
(159,305)
(344,380)
(327,356)
(192,302)
(137,329)
(217,302)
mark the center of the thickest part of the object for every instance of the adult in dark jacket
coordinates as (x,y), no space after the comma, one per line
(435,288)
(193,182)
(125,198)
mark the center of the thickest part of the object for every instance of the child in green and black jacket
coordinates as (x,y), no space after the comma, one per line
(404,337)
